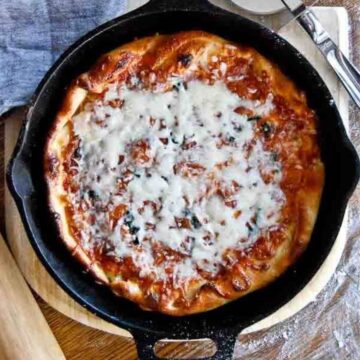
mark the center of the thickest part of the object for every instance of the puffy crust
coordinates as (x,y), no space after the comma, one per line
(58,139)
(267,260)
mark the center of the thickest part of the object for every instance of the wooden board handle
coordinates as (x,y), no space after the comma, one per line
(24,333)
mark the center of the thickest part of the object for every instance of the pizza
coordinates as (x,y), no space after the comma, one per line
(184,171)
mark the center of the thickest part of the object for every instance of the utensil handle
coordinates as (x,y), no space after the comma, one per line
(24,330)
(348,74)
(225,342)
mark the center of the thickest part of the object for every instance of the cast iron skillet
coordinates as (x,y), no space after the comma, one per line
(26,182)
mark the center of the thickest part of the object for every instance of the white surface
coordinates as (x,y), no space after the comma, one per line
(263,7)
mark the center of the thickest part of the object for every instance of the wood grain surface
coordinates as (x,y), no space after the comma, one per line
(81,342)
(24,329)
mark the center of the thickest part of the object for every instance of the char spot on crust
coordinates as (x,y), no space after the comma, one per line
(83,82)
(185,59)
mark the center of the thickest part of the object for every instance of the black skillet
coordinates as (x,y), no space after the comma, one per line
(26,182)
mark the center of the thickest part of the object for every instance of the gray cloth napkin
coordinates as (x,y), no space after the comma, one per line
(33,33)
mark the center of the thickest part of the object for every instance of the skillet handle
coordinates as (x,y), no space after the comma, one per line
(145,342)
(166,5)
(225,342)
(19,178)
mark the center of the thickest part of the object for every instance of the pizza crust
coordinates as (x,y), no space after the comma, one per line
(114,66)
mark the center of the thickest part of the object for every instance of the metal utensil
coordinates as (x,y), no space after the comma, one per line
(348,74)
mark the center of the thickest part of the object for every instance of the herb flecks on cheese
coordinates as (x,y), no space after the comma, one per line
(179,168)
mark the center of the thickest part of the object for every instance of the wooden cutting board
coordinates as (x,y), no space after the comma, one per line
(336,21)
(24,329)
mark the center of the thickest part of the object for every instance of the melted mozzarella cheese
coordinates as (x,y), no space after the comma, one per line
(195,112)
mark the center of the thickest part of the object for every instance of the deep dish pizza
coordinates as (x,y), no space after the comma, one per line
(184,171)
